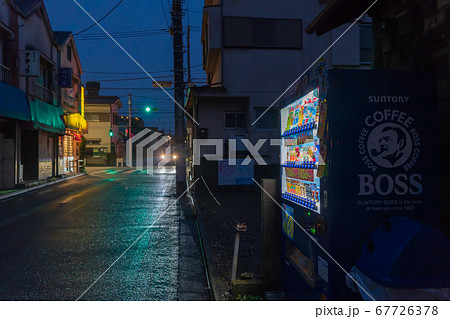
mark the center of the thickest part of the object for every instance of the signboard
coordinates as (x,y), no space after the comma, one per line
(235,174)
(288,221)
(390,143)
(65,77)
(29,62)
(164,84)
(82,101)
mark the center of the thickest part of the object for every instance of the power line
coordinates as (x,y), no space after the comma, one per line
(164,11)
(100,19)
(122,35)
(121,89)
(132,79)
(131,73)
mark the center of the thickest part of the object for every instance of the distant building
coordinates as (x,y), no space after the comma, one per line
(102,114)
(252,52)
(70,95)
(137,125)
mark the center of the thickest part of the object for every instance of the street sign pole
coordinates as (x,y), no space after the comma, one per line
(178,66)
(130,149)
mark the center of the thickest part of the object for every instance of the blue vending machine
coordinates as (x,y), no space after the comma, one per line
(357,148)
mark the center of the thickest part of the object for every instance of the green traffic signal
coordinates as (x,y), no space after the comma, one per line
(148,109)
(111,132)
(151,109)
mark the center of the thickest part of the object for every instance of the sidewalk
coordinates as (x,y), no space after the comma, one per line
(193,281)
(218,235)
(34,185)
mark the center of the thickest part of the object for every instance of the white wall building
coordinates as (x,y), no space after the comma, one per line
(252,51)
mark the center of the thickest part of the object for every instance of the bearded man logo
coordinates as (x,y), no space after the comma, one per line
(389,145)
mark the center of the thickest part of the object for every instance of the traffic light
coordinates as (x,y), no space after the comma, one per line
(151,109)
(111,132)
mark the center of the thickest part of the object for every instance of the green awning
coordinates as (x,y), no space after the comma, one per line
(47,117)
(13,103)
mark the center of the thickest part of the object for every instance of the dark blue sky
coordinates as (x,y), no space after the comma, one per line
(153,52)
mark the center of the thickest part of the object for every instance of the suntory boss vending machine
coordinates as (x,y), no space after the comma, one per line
(357,148)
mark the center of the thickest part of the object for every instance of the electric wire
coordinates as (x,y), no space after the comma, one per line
(100,19)
(164,11)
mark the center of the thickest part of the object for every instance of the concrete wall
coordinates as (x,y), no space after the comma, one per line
(33,33)
(98,130)
(4,18)
(46,144)
(211,115)
(76,74)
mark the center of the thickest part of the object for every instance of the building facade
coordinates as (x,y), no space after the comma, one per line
(14,111)
(29,68)
(103,142)
(71,97)
(252,52)
(39,79)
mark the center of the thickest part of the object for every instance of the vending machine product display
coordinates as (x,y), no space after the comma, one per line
(357,148)
(300,152)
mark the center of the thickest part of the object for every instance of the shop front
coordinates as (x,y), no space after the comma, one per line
(69,144)
(14,115)
(40,142)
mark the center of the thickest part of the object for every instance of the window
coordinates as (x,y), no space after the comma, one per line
(262,33)
(235,120)
(365,43)
(69,53)
(270,119)
(97,117)
(45,78)
(98,152)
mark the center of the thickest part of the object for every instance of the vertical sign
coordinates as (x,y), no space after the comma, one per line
(29,63)
(82,101)
(65,77)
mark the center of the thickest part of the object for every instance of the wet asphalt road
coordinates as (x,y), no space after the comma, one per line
(68,234)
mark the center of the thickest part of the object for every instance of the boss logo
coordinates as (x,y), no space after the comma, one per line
(389,141)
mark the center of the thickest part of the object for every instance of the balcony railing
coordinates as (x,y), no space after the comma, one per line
(42,93)
(5,73)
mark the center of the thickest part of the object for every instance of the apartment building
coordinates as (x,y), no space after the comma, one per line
(252,52)
(104,143)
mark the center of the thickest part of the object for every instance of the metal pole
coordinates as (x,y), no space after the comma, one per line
(240,227)
(189,53)
(130,148)
(178,66)
(235,257)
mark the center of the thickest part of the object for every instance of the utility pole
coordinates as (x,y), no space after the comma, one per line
(188,38)
(178,69)
(130,148)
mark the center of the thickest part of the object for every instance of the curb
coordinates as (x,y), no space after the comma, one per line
(217,293)
(26,190)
